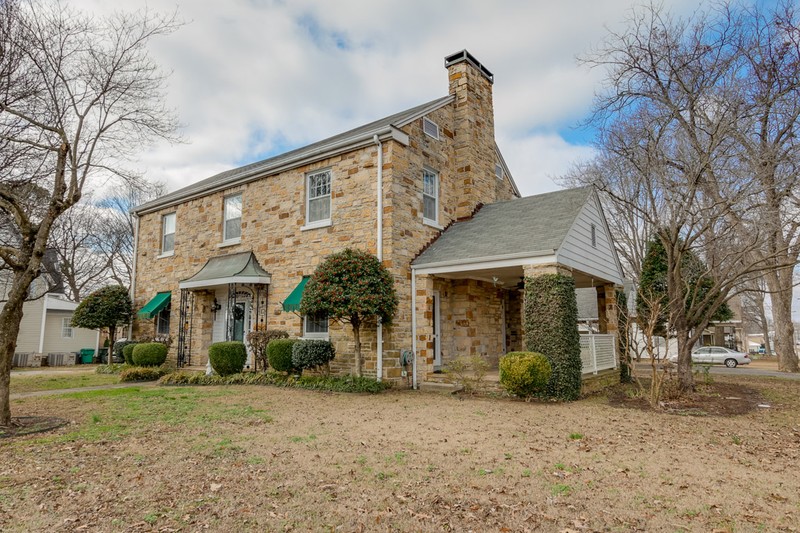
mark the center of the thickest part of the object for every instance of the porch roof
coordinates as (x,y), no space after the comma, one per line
(534,226)
(234,268)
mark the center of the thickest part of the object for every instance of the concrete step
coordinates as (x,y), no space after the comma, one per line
(434,386)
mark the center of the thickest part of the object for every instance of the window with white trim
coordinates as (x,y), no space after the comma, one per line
(430,196)
(318,198)
(162,321)
(66,328)
(498,171)
(315,326)
(232,230)
(168,233)
(430,128)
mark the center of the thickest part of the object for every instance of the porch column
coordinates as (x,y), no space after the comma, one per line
(607,308)
(423,301)
(532,271)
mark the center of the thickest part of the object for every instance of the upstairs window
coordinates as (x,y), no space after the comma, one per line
(318,198)
(430,128)
(430,196)
(232,230)
(315,326)
(168,233)
(66,328)
(498,171)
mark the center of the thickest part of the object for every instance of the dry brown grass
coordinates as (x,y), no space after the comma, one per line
(267,459)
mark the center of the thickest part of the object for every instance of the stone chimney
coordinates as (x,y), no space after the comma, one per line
(471,84)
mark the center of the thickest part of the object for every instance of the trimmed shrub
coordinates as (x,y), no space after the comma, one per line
(524,374)
(322,383)
(227,357)
(312,354)
(551,328)
(127,351)
(259,340)
(149,354)
(142,373)
(118,350)
(279,352)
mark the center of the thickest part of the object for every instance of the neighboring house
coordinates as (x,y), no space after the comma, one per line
(46,329)
(730,333)
(426,190)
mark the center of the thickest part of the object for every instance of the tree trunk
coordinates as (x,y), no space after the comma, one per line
(112,333)
(784,332)
(765,330)
(357,343)
(685,376)
(10,318)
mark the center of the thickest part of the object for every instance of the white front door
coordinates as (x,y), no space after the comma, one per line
(437,333)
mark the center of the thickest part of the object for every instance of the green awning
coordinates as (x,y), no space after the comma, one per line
(155,306)
(292,303)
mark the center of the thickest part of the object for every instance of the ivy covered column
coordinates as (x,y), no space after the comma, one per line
(550,317)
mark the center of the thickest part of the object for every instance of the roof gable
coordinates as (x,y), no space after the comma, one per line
(534,225)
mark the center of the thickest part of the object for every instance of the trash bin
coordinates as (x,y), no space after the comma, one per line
(87,355)
(102,356)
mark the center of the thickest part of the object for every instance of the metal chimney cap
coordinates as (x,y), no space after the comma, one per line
(463,55)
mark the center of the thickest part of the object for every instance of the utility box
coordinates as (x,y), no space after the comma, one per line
(61,359)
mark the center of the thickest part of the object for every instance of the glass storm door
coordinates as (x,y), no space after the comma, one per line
(238,321)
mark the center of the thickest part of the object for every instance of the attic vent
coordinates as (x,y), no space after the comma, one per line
(430,128)
(498,171)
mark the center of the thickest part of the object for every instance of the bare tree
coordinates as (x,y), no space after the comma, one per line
(754,312)
(671,123)
(78,95)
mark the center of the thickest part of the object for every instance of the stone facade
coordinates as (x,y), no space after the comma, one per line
(274,219)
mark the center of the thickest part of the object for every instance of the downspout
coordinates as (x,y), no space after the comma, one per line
(413,329)
(133,269)
(379,246)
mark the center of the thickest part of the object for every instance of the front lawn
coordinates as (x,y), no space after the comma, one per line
(227,458)
(63,380)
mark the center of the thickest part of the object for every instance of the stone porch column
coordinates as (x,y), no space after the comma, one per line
(423,300)
(607,308)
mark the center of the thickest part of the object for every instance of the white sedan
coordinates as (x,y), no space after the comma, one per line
(717,355)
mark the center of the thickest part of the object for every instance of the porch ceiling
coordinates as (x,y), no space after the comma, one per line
(508,277)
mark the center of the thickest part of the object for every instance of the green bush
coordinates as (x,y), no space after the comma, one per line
(118,350)
(524,374)
(312,354)
(551,328)
(127,351)
(149,354)
(259,340)
(322,383)
(142,373)
(279,352)
(227,357)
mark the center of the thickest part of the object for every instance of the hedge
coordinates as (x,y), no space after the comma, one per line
(323,383)
(127,351)
(227,357)
(149,354)
(551,328)
(312,354)
(525,374)
(142,373)
(119,349)
(279,352)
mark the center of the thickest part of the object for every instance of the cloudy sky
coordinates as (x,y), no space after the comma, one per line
(252,79)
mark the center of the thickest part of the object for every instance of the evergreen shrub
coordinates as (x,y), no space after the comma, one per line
(227,357)
(149,354)
(525,374)
(279,352)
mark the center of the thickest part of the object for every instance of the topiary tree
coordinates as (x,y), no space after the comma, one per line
(227,357)
(108,307)
(351,286)
(551,328)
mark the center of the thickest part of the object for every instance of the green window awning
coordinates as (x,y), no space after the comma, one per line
(292,303)
(155,306)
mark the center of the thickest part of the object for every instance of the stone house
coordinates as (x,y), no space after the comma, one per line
(426,190)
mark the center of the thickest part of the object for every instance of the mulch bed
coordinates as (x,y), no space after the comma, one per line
(28,425)
(711,399)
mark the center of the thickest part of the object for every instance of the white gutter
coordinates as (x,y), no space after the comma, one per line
(413,329)
(133,274)
(44,322)
(379,246)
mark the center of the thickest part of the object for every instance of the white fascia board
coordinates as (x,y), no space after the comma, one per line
(57,304)
(582,268)
(486,263)
(223,281)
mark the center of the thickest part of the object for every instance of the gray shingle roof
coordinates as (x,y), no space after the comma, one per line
(534,224)
(321,148)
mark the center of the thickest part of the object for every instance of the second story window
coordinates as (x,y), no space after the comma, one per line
(318,198)
(66,328)
(232,230)
(168,233)
(430,196)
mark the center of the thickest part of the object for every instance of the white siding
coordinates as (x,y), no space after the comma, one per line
(54,342)
(30,327)
(218,328)
(577,251)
